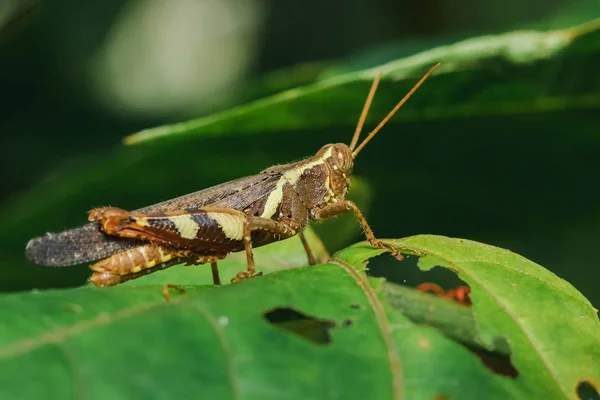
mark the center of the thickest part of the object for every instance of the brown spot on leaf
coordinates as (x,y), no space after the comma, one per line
(424,343)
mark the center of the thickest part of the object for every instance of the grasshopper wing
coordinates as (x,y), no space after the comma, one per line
(88,243)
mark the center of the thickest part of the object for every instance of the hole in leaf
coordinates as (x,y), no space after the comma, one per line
(497,363)
(438,281)
(347,322)
(498,360)
(586,390)
(410,275)
(455,321)
(310,328)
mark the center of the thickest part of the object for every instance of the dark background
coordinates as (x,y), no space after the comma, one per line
(76,78)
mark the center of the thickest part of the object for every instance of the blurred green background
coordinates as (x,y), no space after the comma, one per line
(77,77)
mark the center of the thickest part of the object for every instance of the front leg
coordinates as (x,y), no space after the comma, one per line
(340,207)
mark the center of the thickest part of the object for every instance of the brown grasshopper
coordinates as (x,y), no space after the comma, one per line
(205,226)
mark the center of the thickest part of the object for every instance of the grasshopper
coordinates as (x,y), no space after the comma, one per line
(205,226)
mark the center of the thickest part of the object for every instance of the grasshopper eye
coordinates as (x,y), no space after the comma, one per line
(342,157)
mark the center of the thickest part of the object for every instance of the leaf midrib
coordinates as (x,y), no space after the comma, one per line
(382,322)
(60,334)
(225,347)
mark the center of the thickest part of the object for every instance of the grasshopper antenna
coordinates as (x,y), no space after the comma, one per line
(391,114)
(365,111)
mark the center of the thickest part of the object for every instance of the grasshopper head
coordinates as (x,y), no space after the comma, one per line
(339,161)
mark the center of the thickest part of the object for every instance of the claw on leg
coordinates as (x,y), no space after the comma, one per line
(166,291)
(244,275)
(381,245)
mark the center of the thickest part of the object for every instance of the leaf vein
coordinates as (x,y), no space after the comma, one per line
(231,372)
(60,334)
(384,325)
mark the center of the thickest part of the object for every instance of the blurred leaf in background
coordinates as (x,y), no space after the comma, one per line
(154,61)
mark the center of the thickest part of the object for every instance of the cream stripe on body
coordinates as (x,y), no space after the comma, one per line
(186,226)
(231,225)
(292,176)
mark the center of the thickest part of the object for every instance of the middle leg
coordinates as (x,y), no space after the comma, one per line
(309,253)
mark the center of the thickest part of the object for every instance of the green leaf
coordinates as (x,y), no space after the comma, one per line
(350,336)
(552,330)
(570,14)
(518,63)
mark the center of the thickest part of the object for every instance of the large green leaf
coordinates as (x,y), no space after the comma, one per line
(552,330)
(358,341)
(527,58)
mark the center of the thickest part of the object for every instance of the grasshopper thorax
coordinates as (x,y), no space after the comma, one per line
(321,179)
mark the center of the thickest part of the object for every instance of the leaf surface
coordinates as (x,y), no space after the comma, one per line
(127,342)
(552,330)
